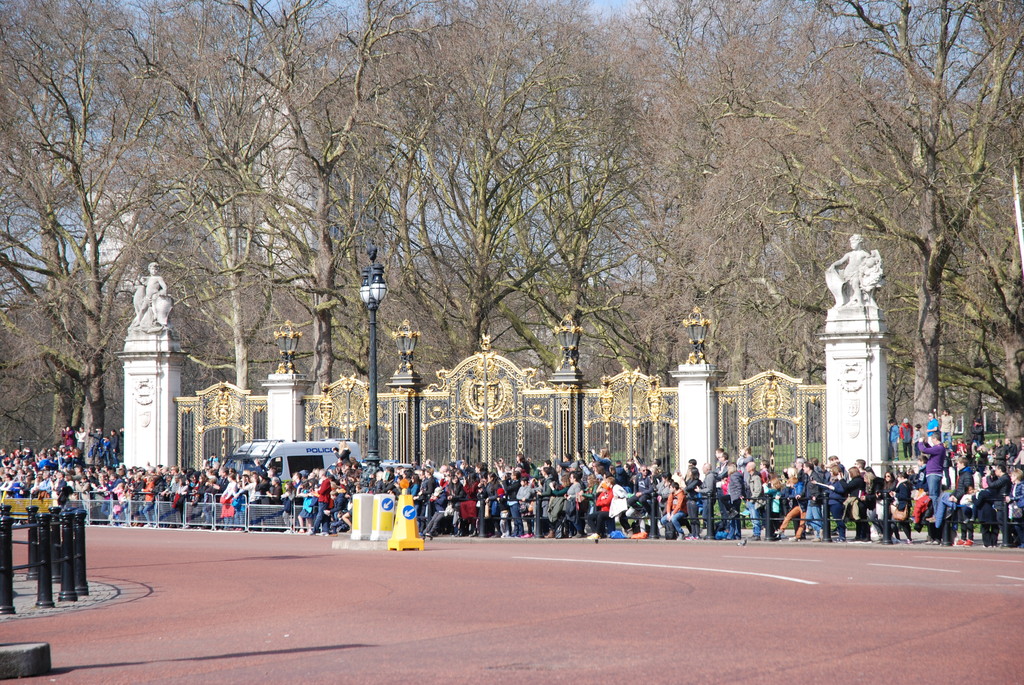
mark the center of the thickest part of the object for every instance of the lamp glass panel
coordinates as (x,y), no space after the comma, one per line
(378,289)
(364,288)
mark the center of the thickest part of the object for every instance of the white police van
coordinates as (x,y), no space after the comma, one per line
(288,457)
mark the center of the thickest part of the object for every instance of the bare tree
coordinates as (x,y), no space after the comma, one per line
(322,84)
(925,87)
(78,132)
(220,168)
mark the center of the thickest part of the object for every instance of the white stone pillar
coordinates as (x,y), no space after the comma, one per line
(698,412)
(856,375)
(152,379)
(285,418)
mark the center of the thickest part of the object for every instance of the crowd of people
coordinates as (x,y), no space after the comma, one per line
(593,496)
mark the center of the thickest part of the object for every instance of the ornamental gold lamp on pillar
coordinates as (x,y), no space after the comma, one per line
(568,335)
(697,331)
(569,379)
(405,375)
(287,339)
(406,383)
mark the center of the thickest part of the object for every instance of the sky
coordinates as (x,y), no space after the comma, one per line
(610,5)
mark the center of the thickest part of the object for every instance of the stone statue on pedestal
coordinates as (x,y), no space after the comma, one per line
(856,364)
(152,304)
(854,277)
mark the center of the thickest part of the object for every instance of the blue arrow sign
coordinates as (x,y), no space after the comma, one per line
(387,504)
(409,512)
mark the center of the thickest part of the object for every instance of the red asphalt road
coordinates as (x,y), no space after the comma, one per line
(238,608)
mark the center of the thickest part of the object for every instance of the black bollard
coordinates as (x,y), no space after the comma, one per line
(826,528)
(33,543)
(44,583)
(946,532)
(709,516)
(886,519)
(81,576)
(536,514)
(481,512)
(55,541)
(67,562)
(766,519)
(1004,525)
(6,565)
(655,511)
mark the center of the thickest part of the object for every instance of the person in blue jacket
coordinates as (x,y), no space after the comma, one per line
(836,489)
(894,440)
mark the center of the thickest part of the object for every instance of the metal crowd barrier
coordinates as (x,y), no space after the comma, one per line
(100,509)
(20,505)
(210,514)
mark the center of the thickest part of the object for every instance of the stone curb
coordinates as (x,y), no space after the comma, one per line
(360,545)
(24,660)
(367,545)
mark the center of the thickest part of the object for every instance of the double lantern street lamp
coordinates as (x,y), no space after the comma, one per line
(373,291)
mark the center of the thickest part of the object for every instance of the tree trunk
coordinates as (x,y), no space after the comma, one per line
(323,279)
(926,352)
(61,412)
(238,334)
(929,297)
(973,412)
(1013,402)
(95,402)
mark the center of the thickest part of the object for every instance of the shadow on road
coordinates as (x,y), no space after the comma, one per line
(213,657)
(277,557)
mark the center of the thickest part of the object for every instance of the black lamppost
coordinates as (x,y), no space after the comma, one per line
(372,291)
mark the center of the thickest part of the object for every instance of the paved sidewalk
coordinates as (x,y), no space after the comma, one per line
(25,599)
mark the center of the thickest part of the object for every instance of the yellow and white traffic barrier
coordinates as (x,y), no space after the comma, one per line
(383,517)
(362,516)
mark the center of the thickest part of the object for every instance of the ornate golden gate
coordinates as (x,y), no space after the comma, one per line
(488,409)
(340,411)
(631,414)
(217,419)
(777,416)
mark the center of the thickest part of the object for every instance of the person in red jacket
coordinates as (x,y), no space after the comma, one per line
(598,519)
(675,512)
(323,503)
(907,438)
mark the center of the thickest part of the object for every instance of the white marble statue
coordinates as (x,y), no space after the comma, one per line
(854,277)
(152,303)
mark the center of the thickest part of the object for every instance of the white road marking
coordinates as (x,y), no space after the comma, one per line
(682,568)
(1009,577)
(743,556)
(916,568)
(960,558)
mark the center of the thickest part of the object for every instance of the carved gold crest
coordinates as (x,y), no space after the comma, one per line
(771,399)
